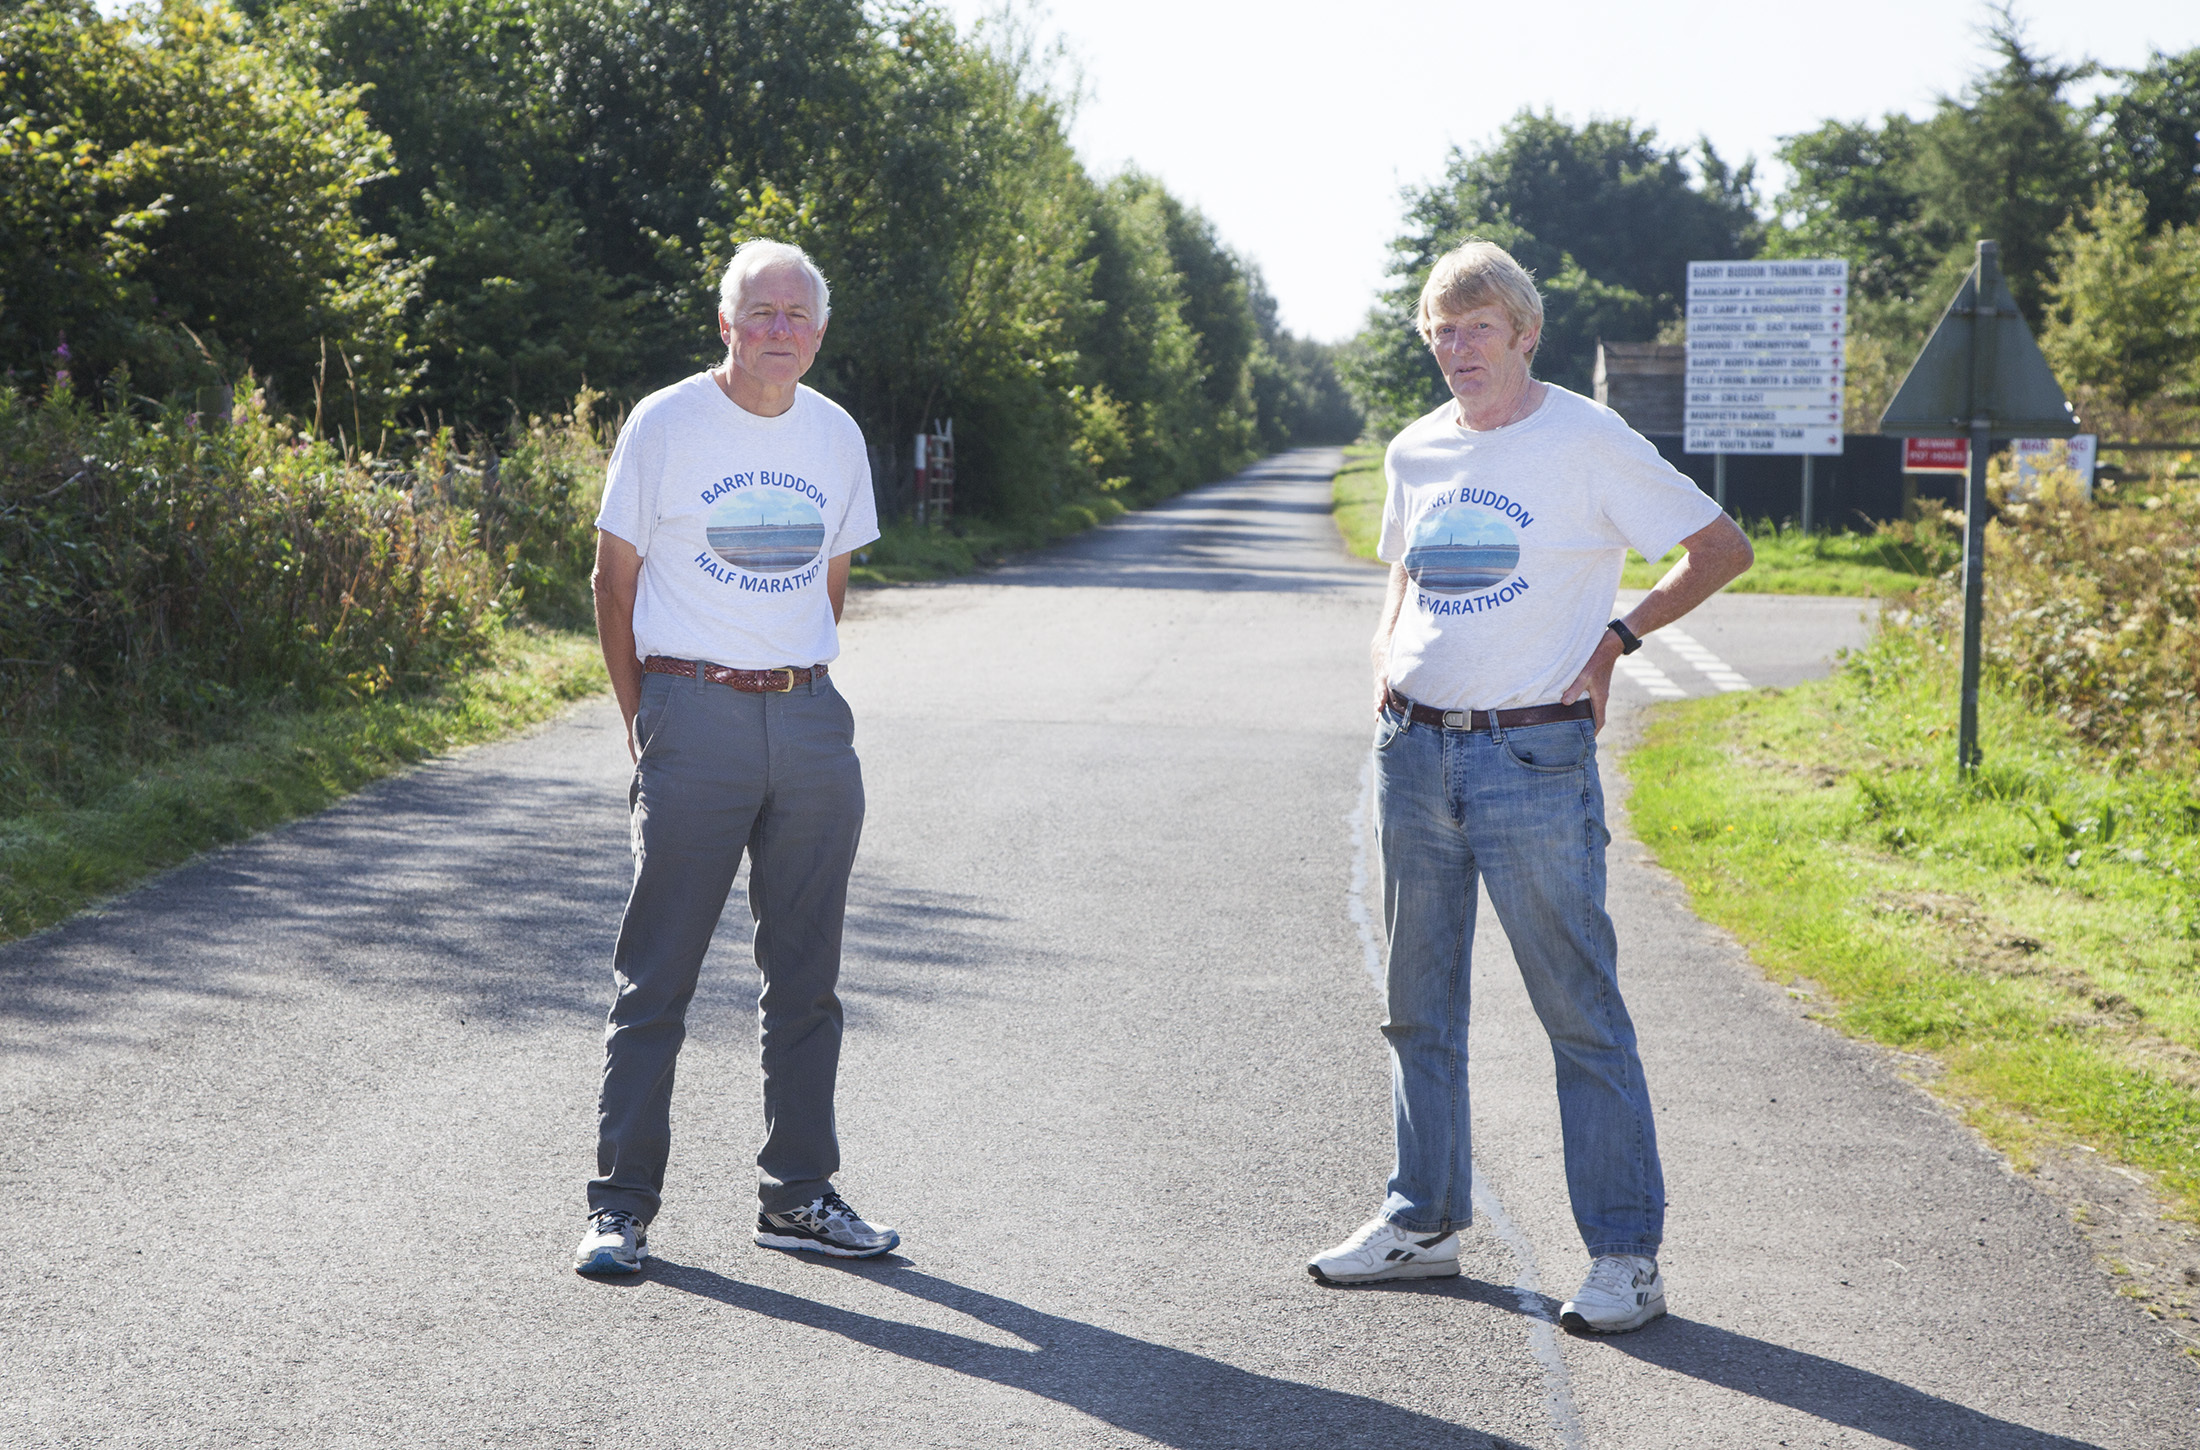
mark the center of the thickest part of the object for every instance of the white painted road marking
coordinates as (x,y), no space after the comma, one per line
(1651,678)
(1718,671)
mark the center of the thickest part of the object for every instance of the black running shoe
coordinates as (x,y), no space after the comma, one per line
(824,1225)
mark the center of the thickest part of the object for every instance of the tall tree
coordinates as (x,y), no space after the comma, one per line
(2151,136)
(1606,218)
(2009,159)
(1853,192)
(1143,354)
(520,303)
(1297,396)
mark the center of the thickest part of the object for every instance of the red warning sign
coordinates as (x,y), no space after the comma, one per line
(1936,455)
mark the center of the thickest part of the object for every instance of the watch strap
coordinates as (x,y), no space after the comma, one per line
(1628,641)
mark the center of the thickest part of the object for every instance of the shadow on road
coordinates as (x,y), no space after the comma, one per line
(439,886)
(1166,1395)
(1837,1393)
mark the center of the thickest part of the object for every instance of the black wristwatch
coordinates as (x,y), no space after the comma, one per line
(1628,643)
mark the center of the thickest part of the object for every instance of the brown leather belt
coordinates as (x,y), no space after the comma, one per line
(1580,709)
(755,682)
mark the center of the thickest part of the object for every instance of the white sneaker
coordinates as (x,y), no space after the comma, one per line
(1380,1249)
(1622,1292)
(616,1243)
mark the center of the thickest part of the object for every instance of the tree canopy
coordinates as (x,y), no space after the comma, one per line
(2092,203)
(180,201)
(2073,193)
(400,213)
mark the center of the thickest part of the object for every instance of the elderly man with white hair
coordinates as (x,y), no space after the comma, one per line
(1509,512)
(733,503)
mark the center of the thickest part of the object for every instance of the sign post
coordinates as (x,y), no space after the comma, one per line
(1979,376)
(1764,363)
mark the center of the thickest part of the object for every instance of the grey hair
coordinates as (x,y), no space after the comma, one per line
(757,255)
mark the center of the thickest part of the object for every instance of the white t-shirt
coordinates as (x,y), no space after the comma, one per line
(735,516)
(1512,540)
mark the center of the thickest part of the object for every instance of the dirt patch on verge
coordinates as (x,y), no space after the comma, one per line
(2152,1261)
(1977,943)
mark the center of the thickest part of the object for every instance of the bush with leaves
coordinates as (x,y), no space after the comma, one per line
(2092,610)
(2124,319)
(160,576)
(179,201)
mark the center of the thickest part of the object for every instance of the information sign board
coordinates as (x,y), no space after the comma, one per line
(2037,455)
(1765,354)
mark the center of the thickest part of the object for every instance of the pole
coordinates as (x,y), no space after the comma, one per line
(1984,321)
(1807,510)
(1718,479)
(1974,591)
(921,481)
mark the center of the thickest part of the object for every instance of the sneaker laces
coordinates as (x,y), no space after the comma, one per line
(819,1212)
(1365,1233)
(615,1221)
(1614,1274)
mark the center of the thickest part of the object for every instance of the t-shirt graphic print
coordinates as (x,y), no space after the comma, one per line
(761,530)
(1461,549)
(735,516)
(1512,541)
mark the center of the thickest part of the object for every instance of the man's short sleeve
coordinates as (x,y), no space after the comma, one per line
(1651,503)
(859,521)
(629,507)
(1391,546)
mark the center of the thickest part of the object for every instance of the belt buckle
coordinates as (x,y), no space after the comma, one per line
(1455,719)
(787,688)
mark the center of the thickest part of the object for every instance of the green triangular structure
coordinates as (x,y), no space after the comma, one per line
(1960,375)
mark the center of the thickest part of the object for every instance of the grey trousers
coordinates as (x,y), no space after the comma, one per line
(722,772)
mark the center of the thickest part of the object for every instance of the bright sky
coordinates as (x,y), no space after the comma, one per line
(1294,124)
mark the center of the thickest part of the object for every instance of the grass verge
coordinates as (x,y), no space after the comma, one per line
(1356,499)
(1894,560)
(276,767)
(2032,930)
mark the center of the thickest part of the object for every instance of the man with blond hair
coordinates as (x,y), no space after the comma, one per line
(733,502)
(1508,514)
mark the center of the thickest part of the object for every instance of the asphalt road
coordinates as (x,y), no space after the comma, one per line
(294,1137)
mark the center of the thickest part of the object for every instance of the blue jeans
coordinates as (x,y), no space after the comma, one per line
(1523,810)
